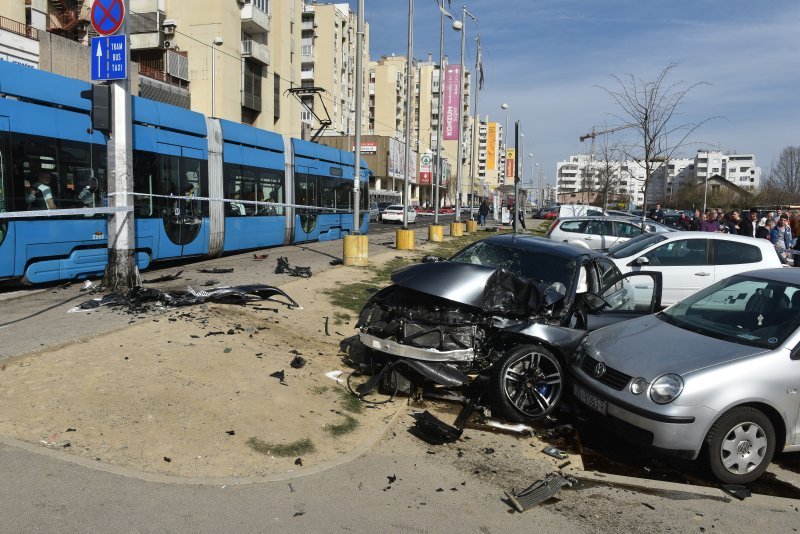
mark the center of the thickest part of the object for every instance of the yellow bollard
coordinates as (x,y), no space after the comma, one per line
(405,240)
(456,229)
(472,226)
(356,248)
(436,233)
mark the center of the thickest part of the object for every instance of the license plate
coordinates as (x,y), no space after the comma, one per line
(593,402)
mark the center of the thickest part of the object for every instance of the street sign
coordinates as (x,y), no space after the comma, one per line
(109,58)
(107,16)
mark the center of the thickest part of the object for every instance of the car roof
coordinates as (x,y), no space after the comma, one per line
(683,234)
(786,275)
(541,244)
(620,218)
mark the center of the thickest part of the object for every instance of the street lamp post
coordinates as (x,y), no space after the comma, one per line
(440,122)
(504,107)
(215,43)
(461,26)
(409,93)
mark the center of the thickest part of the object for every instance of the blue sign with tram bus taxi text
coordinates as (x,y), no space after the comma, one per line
(109,58)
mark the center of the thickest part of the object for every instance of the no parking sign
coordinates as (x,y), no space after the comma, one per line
(107,16)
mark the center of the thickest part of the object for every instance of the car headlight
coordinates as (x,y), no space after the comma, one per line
(666,389)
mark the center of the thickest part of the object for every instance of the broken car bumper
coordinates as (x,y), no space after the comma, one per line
(416,353)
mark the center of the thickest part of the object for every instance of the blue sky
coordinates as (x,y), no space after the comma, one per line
(546,59)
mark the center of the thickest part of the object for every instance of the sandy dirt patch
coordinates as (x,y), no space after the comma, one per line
(164,396)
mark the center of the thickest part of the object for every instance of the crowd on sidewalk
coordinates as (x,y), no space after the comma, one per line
(781,227)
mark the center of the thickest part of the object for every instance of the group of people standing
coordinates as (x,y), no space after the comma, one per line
(781,228)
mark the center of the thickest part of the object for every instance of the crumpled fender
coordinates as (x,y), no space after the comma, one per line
(563,338)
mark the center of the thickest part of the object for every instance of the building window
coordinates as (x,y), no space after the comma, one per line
(277,96)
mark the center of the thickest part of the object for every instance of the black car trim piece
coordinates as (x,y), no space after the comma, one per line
(660,418)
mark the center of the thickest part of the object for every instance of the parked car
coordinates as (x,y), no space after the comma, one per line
(381,207)
(373,211)
(550,215)
(507,308)
(541,212)
(599,233)
(690,261)
(715,374)
(447,210)
(394,213)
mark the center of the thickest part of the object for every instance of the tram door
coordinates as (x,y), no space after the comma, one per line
(6,226)
(306,218)
(180,172)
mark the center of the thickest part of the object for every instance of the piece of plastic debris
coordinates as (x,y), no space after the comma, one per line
(565,464)
(164,278)
(167,459)
(216,270)
(299,461)
(337,261)
(71,430)
(298,514)
(649,505)
(284,267)
(433,430)
(392,478)
(488,450)
(734,490)
(230,432)
(297,362)
(260,257)
(555,453)
(539,491)
(88,285)
(335,375)
(280,375)
(326,326)
(227,350)
(491,424)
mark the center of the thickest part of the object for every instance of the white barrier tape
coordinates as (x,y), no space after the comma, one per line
(237,201)
(61,213)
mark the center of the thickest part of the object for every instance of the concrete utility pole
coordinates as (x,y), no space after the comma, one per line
(440,123)
(409,90)
(516,177)
(475,125)
(359,97)
(121,270)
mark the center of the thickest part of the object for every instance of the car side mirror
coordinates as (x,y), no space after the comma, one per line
(795,354)
(641,260)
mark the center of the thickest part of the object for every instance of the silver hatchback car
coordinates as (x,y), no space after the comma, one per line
(717,373)
(600,233)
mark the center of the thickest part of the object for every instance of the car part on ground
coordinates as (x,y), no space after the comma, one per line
(539,491)
(508,310)
(718,378)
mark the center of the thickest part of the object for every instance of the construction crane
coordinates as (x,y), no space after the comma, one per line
(592,135)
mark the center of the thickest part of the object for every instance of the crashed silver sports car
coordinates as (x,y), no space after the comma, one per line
(503,313)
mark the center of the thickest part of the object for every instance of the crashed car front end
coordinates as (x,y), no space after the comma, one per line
(446,321)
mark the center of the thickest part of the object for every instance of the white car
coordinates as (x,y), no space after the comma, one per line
(690,261)
(600,233)
(394,213)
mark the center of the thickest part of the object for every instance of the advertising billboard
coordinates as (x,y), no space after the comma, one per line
(452,95)
(510,153)
(491,146)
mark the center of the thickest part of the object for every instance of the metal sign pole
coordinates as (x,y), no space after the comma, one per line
(359,96)
(121,272)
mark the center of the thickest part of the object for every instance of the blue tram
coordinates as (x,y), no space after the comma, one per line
(202,186)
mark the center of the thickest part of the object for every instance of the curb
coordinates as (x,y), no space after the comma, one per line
(88,463)
(650,486)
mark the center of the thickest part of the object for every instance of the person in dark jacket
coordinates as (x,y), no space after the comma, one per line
(483,212)
(749,226)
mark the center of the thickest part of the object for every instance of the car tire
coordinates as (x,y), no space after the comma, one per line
(740,445)
(526,384)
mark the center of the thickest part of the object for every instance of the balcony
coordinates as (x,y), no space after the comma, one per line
(255,51)
(307,74)
(253,19)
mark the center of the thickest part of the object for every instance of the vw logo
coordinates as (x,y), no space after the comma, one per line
(599,369)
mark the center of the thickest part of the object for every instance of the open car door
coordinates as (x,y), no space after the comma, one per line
(628,296)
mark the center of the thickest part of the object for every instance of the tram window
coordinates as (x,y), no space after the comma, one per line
(3,185)
(306,188)
(327,193)
(344,195)
(193,186)
(145,178)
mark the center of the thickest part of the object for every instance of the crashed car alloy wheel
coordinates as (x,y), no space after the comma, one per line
(527,384)
(740,445)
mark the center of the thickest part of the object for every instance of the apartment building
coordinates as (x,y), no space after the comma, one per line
(328,61)
(583,174)
(739,169)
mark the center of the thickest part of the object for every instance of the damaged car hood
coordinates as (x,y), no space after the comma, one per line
(487,288)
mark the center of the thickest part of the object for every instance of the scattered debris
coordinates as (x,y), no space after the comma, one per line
(210,283)
(539,491)
(555,452)
(299,461)
(298,514)
(230,432)
(88,285)
(216,270)
(431,259)
(392,478)
(491,424)
(280,375)
(167,459)
(649,505)
(326,326)
(488,450)
(734,490)
(335,375)
(165,278)
(490,229)
(297,362)
(227,350)
(259,257)
(214,333)
(284,267)
(565,464)
(137,298)
(433,430)
(71,430)
(337,261)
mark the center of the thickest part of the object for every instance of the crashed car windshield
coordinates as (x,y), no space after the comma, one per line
(635,245)
(531,264)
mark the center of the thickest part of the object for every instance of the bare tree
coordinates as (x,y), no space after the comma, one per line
(610,170)
(651,107)
(785,173)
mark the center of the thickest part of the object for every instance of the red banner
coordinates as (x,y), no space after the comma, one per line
(452,104)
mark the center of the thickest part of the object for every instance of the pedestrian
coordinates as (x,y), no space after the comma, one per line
(657,214)
(749,226)
(483,212)
(781,237)
(734,223)
(710,223)
(90,195)
(697,221)
(765,226)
